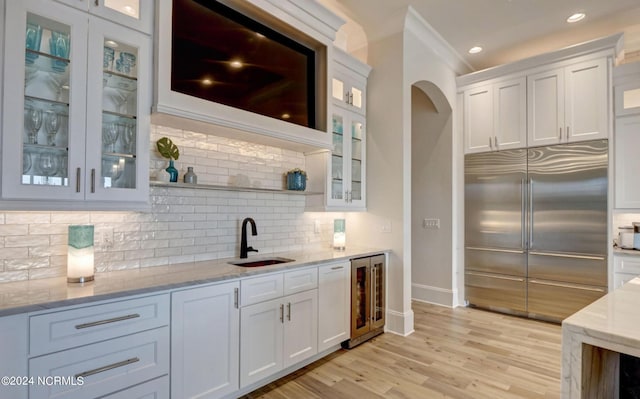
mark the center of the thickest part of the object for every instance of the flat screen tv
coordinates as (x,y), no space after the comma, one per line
(220,54)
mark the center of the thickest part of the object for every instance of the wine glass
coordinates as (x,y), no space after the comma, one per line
(34,119)
(48,163)
(26,162)
(129,137)
(110,135)
(51,126)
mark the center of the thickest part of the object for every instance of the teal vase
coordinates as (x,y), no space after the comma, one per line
(172,171)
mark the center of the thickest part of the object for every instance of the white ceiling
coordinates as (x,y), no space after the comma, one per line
(508,30)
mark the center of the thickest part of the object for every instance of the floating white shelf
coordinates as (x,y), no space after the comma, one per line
(156,183)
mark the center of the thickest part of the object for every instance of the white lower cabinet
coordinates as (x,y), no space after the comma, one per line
(277,334)
(13,354)
(334,304)
(205,341)
(625,268)
(100,349)
(155,389)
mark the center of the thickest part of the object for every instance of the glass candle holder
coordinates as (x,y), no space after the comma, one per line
(339,234)
(80,254)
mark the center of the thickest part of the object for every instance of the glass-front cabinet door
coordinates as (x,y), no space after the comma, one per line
(45,95)
(76,106)
(347,166)
(136,14)
(117,156)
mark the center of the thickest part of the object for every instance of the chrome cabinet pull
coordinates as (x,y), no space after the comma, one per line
(351,98)
(97,3)
(508,251)
(107,368)
(495,138)
(282,313)
(560,133)
(373,294)
(551,284)
(518,279)
(490,143)
(530,214)
(289,311)
(93,181)
(337,267)
(346,97)
(523,219)
(585,257)
(107,321)
(235,297)
(567,133)
(77,180)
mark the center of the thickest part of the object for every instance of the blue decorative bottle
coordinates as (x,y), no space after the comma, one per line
(172,171)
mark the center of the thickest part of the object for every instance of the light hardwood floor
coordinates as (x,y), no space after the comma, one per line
(454,353)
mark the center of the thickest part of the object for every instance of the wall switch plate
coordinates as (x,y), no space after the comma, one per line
(431,223)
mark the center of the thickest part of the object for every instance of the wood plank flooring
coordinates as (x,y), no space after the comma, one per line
(454,353)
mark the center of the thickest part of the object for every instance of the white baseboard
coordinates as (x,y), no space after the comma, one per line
(399,323)
(435,295)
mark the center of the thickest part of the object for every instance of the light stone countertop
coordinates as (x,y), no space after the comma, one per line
(612,322)
(42,294)
(620,251)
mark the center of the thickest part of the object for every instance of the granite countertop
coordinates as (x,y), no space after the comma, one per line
(614,317)
(621,251)
(42,294)
(611,323)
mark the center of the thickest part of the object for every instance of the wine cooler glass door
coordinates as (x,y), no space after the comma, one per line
(360,297)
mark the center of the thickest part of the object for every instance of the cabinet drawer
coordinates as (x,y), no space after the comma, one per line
(66,329)
(155,389)
(300,280)
(626,264)
(105,367)
(619,279)
(259,289)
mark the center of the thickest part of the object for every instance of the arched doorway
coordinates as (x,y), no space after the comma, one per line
(431,195)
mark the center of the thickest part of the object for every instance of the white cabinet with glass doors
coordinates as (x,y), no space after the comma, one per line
(349,82)
(81,131)
(136,14)
(341,173)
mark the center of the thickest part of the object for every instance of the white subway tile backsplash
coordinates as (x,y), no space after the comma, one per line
(184,224)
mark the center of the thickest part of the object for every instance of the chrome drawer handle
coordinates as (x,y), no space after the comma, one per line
(337,267)
(107,368)
(107,321)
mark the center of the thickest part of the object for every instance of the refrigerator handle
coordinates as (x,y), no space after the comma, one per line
(530,218)
(523,193)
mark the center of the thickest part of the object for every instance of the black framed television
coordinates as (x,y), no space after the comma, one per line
(230,53)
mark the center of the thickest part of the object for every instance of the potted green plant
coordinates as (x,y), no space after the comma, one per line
(169,150)
(296,179)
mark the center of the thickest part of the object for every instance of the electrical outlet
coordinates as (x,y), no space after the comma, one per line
(385,227)
(316,226)
(431,223)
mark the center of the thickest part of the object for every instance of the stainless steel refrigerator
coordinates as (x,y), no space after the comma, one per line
(536,229)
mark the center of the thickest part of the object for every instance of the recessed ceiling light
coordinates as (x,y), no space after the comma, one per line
(286,116)
(475,50)
(207,81)
(579,16)
(260,35)
(236,64)
(111,43)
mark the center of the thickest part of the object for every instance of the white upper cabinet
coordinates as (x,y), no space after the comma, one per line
(136,14)
(340,175)
(568,104)
(84,137)
(627,162)
(495,116)
(349,82)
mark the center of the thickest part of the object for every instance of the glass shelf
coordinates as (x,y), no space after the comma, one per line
(120,81)
(41,147)
(115,116)
(60,107)
(118,155)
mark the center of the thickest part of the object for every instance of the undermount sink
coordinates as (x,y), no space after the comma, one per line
(261,262)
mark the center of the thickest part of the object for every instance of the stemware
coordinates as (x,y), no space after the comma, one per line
(110,135)
(51,126)
(34,119)
(48,163)
(129,137)
(26,162)
(59,47)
